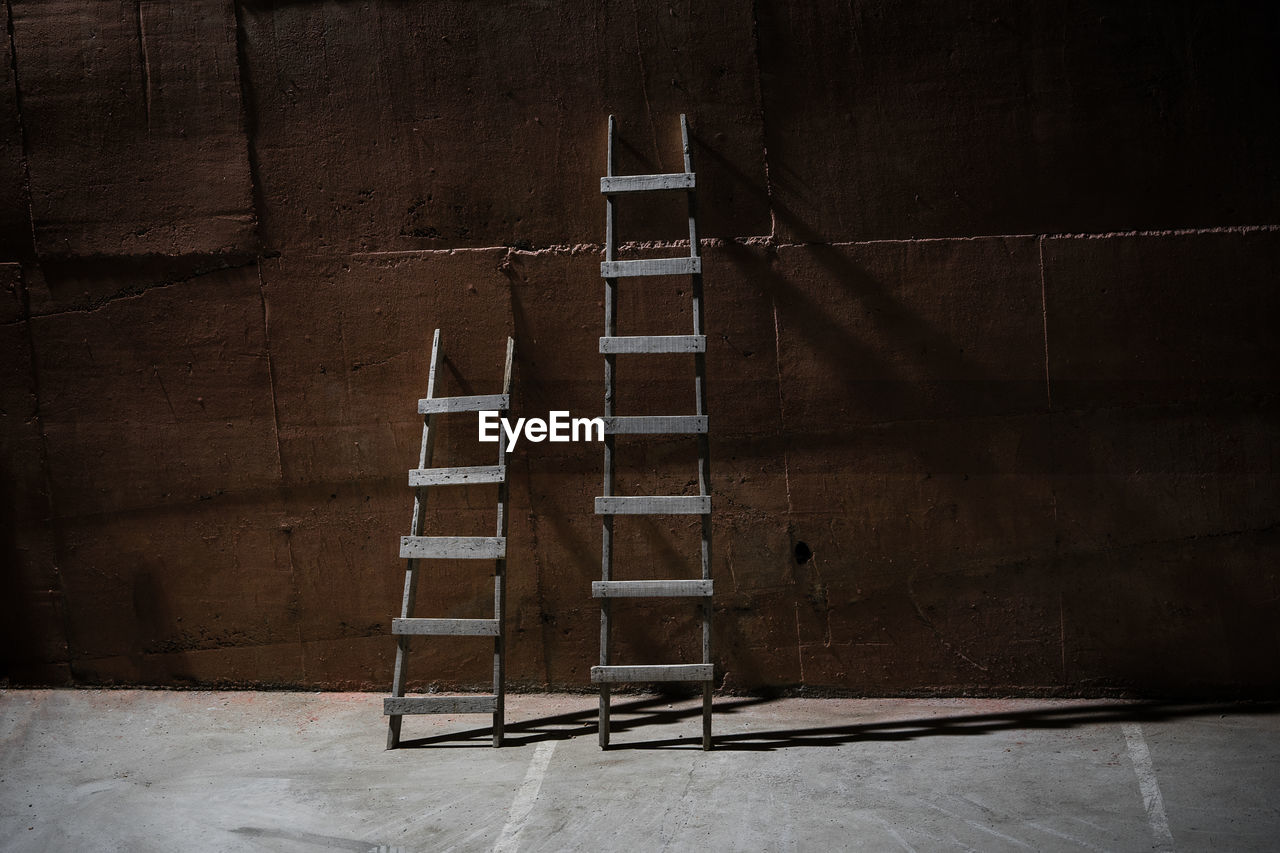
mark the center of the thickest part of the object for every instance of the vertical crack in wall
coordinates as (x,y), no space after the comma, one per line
(22,131)
(777,323)
(786,464)
(271,372)
(1044,314)
(295,587)
(248,111)
(155,371)
(1055,546)
(764,126)
(782,409)
(644,84)
(144,62)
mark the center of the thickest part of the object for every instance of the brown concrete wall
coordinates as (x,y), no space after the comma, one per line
(991,306)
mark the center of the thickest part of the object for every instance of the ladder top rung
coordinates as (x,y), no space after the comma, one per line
(647,183)
(651,266)
(653,344)
(654,505)
(445,627)
(457,476)
(665,672)
(655,425)
(453,547)
(481,403)
(439,705)
(652,589)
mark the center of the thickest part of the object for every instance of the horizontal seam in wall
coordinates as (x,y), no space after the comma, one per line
(769,242)
(596,248)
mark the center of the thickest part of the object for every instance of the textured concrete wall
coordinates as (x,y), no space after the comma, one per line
(991,306)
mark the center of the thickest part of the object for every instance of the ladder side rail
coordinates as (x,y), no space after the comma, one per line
(500,575)
(610,364)
(704,443)
(425,449)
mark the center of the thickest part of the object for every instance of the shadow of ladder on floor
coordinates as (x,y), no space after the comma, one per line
(609,505)
(415,547)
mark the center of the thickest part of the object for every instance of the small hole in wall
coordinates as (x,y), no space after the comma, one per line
(803,553)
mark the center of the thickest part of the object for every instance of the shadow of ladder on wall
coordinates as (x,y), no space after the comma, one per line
(609,505)
(415,547)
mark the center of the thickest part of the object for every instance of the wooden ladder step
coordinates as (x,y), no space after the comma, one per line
(453,547)
(653,344)
(655,425)
(445,627)
(651,266)
(654,505)
(665,672)
(651,589)
(482,403)
(457,476)
(647,183)
(439,705)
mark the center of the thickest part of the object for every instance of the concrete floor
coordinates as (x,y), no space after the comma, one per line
(222,771)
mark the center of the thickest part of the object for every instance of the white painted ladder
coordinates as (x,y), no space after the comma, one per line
(610,504)
(415,547)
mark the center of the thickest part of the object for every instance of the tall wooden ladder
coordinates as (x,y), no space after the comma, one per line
(609,505)
(416,547)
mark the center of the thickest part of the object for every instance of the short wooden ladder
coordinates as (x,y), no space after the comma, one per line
(609,504)
(416,547)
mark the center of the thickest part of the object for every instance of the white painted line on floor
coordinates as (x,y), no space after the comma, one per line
(522,805)
(1152,801)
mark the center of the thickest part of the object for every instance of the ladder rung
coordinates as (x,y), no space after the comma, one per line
(655,425)
(651,266)
(457,476)
(445,627)
(654,505)
(453,547)
(440,705)
(650,589)
(653,344)
(482,403)
(667,672)
(647,183)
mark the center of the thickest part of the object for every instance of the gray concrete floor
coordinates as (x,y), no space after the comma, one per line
(227,771)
